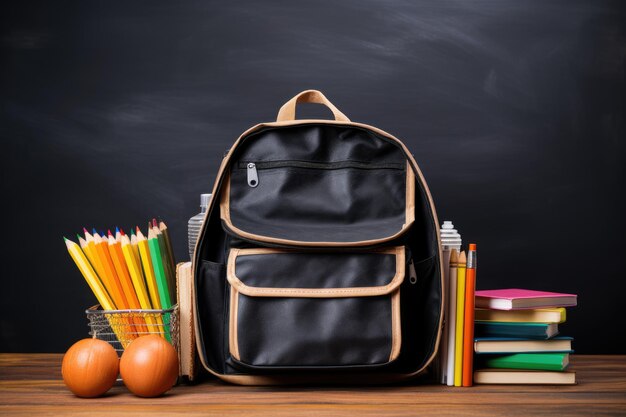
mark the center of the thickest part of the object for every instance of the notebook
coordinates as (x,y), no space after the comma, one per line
(526,330)
(185,319)
(504,376)
(516,298)
(515,345)
(536,361)
(545,315)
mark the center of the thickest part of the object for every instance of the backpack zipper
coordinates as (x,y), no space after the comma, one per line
(412,272)
(253,176)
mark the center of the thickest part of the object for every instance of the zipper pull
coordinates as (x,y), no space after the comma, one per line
(412,273)
(253,178)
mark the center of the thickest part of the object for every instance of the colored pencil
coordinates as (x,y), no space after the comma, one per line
(168,267)
(115,252)
(119,263)
(159,271)
(146,262)
(460,311)
(468,330)
(94,283)
(135,247)
(136,275)
(87,252)
(89,274)
(170,255)
(90,251)
(112,282)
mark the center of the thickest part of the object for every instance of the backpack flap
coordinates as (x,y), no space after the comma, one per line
(318,310)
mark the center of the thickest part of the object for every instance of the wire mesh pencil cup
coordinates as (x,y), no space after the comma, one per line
(120,327)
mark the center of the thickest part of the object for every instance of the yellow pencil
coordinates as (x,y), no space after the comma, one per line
(144,253)
(460,315)
(136,274)
(89,274)
(135,247)
(94,283)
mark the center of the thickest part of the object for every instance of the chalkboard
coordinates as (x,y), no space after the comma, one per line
(116,112)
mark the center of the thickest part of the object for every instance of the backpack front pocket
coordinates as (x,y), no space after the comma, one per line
(314,203)
(302,309)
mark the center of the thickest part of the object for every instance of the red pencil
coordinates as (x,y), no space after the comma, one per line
(468,328)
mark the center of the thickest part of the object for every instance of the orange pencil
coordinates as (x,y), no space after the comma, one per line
(110,276)
(115,251)
(119,264)
(468,328)
(89,247)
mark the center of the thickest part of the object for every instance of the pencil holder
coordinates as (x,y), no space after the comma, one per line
(120,327)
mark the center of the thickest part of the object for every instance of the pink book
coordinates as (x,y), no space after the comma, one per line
(515,298)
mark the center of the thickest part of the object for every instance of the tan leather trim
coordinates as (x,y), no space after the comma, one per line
(410,196)
(288,110)
(363,379)
(396,328)
(377,378)
(225,204)
(409,218)
(239,286)
(267,239)
(233,341)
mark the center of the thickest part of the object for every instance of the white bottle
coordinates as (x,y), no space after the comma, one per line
(195,223)
(450,237)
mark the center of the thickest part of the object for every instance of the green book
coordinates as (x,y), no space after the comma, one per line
(539,361)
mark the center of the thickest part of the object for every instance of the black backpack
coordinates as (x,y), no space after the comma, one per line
(319,260)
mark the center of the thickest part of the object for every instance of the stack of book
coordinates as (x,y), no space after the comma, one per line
(517,337)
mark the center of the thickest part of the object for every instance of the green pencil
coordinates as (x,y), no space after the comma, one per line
(159,272)
(170,251)
(168,267)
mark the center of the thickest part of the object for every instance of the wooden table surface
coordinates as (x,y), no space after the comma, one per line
(30,384)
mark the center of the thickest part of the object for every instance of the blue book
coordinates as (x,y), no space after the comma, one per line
(522,345)
(525,330)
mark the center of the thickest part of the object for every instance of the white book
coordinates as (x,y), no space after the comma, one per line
(450,327)
(504,376)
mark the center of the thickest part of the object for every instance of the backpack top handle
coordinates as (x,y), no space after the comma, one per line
(288,110)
